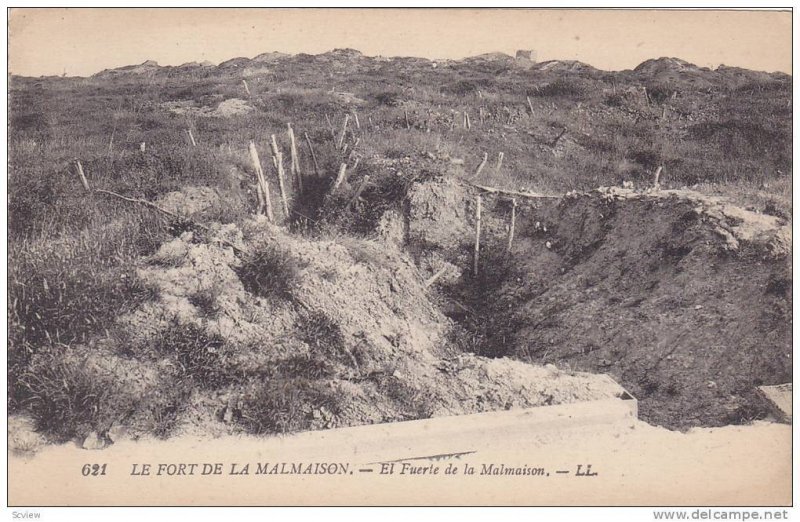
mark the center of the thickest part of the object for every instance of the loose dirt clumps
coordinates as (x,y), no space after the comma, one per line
(190,201)
(684,298)
(230,108)
(286,333)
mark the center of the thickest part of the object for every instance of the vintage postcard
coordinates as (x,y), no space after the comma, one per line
(429,257)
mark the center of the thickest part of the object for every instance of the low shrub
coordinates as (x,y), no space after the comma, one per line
(68,400)
(201,355)
(285,405)
(270,271)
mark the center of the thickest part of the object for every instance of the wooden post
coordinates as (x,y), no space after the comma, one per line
(656,184)
(340,177)
(499,162)
(84,181)
(371,125)
(355,119)
(477,235)
(466,120)
(513,223)
(408,124)
(111,141)
(246,88)
(330,126)
(261,197)
(278,158)
(530,105)
(360,189)
(313,156)
(191,137)
(297,176)
(480,114)
(344,131)
(143,146)
(266,202)
(483,164)
(557,138)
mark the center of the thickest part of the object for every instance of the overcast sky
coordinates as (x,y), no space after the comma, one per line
(85,41)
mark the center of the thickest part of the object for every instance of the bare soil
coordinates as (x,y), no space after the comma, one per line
(684,298)
(344,334)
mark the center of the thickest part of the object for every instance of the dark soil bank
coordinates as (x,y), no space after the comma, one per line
(684,299)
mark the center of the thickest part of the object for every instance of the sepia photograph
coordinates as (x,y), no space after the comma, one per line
(400,257)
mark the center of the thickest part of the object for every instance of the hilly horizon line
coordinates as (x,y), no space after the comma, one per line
(350,50)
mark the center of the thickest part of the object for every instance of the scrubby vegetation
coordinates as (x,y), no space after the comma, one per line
(561,127)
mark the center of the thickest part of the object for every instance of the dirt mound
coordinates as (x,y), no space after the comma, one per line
(284,334)
(146,67)
(190,201)
(685,299)
(230,108)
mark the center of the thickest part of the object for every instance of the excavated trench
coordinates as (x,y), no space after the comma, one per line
(683,298)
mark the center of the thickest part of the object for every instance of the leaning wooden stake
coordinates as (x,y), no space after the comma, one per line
(483,164)
(361,187)
(355,119)
(330,127)
(84,181)
(340,177)
(408,123)
(191,137)
(530,105)
(246,88)
(264,198)
(477,235)
(297,176)
(313,156)
(656,184)
(278,159)
(435,277)
(344,131)
(513,224)
(499,162)
(467,123)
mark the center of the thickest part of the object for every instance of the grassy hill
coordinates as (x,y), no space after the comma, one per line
(75,259)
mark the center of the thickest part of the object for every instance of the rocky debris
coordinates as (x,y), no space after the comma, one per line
(118,433)
(94,441)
